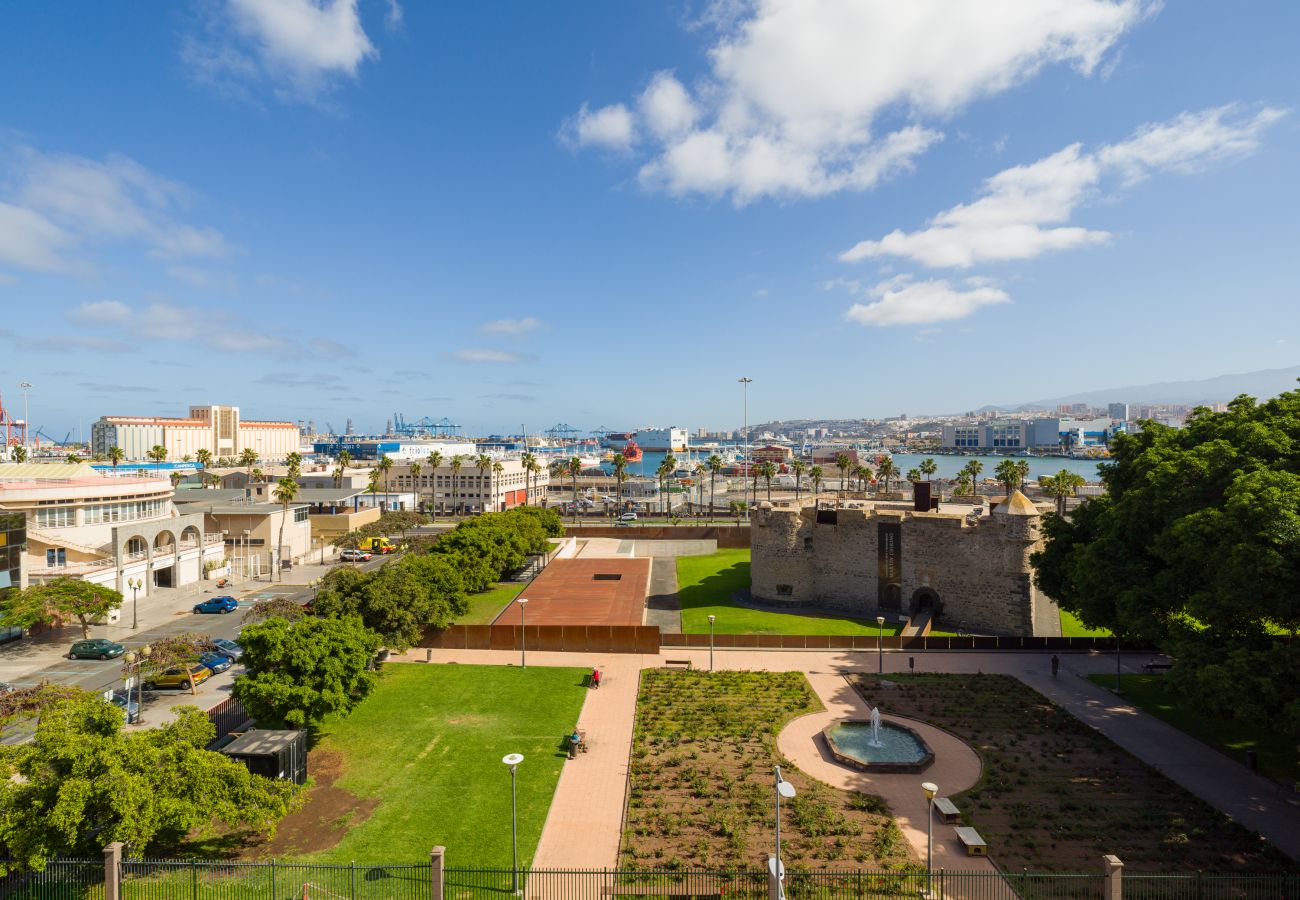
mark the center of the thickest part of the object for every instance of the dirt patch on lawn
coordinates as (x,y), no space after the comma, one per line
(329,813)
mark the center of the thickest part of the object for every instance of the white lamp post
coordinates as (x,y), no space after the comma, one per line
(930,789)
(135,584)
(783,789)
(880,639)
(711,618)
(745,441)
(27,422)
(137,661)
(523,633)
(513,760)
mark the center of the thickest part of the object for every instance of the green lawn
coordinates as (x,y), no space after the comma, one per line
(1072,627)
(1277,752)
(706,584)
(428,745)
(484,607)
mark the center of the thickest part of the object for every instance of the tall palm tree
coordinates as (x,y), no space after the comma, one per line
(815,475)
(338,475)
(1008,474)
(456,462)
(975,467)
(286,489)
(435,463)
(383,467)
(248,459)
(74,457)
(176,479)
(157,453)
(886,470)
(714,464)
(373,488)
(1022,469)
(204,457)
(767,469)
(484,465)
(913,475)
(928,467)
(619,464)
(115,455)
(529,463)
(211,479)
(20,455)
(574,467)
(258,474)
(497,470)
(415,483)
(843,462)
(1062,486)
(798,467)
(294,462)
(698,472)
(344,458)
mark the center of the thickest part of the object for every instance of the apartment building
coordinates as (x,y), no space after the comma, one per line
(471,490)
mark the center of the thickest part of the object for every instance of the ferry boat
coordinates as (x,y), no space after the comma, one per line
(631,452)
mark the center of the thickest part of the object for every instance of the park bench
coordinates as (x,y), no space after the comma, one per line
(1152,667)
(679,663)
(971,840)
(947,810)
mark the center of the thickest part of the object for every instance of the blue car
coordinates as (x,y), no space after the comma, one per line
(217,605)
(217,662)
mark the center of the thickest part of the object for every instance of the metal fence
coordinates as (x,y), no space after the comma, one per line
(1201,886)
(226,716)
(61,879)
(196,880)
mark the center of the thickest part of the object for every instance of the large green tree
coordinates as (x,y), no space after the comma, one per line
(397,600)
(299,672)
(82,782)
(1196,546)
(58,599)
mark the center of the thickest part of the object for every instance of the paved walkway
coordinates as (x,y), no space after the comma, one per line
(1255,802)
(662,606)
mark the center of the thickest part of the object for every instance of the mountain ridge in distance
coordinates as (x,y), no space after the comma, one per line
(1261,385)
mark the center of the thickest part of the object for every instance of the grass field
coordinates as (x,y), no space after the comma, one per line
(1277,756)
(706,585)
(484,607)
(419,764)
(1072,627)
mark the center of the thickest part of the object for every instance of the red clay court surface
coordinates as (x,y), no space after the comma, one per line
(568,592)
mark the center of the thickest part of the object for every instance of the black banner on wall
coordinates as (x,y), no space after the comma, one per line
(889,572)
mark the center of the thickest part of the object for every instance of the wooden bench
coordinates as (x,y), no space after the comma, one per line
(679,663)
(971,840)
(947,810)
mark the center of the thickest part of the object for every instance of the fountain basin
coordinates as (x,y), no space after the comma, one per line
(902,749)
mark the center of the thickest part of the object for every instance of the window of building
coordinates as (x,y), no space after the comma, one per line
(785,590)
(56,517)
(300,514)
(56,558)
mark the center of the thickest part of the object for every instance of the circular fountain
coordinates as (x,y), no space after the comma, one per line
(876,746)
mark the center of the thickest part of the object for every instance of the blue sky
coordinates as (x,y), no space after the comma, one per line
(606,213)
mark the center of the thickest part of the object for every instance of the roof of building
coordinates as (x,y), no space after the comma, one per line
(259,742)
(305,495)
(232,508)
(40,471)
(1020,505)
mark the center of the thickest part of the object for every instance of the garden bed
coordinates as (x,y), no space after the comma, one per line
(1056,795)
(702,788)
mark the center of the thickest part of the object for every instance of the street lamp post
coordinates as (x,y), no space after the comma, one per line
(135,584)
(523,632)
(783,789)
(136,661)
(711,618)
(880,642)
(27,422)
(513,760)
(930,789)
(745,438)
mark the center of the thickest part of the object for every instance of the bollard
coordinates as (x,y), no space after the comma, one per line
(1252,760)
(435,872)
(911,663)
(113,871)
(1114,877)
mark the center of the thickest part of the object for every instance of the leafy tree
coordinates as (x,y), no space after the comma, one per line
(82,783)
(1196,546)
(1062,486)
(299,672)
(176,478)
(20,454)
(74,457)
(58,599)
(176,650)
(397,600)
(258,475)
(276,607)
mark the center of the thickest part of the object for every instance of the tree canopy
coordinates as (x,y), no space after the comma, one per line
(83,783)
(299,672)
(1196,546)
(397,600)
(60,598)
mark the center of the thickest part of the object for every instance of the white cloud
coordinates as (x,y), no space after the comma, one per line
(609,127)
(799,89)
(513,326)
(29,240)
(393,18)
(1022,211)
(102,312)
(486,356)
(901,301)
(301,46)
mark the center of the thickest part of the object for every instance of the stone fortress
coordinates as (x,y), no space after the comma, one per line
(973,573)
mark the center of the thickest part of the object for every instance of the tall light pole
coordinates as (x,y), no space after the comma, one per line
(711,618)
(930,789)
(136,660)
(746,382)
(135,584)
(513,760)
(523,632)
(783,789)
(27,422)
(880,642)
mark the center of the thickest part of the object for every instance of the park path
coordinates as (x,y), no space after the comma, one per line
(1255,802)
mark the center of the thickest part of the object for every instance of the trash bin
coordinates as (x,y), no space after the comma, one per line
(1252,760)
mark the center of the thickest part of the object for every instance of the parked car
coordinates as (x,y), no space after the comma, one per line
(125,702)
(627,517)
(356,556)
(97,648)
(6,688)
(216,662)
(228,648)
(179,676)
(217,605)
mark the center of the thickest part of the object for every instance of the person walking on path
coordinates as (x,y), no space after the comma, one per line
(1056,665)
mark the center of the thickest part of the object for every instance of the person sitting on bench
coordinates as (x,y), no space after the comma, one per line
(574,740)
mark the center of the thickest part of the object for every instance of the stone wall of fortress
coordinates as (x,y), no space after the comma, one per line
(975,576)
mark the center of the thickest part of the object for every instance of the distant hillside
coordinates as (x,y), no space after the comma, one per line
(1220,389)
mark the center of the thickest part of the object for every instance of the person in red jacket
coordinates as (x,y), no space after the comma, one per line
(595,678)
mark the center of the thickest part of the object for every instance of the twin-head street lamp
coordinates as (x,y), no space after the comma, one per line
(513,760)
(783,789)
(135,584)
(523,633)
(711,618)
(930,789)
(136,661)
(880,642)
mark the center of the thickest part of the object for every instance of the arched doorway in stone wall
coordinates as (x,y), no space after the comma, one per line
(891,597)
(926,599)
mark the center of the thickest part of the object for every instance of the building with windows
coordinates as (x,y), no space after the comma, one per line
(217,429)
(1003,434)
(81,524)
(1117,411)
(248,524)
(366,449)
(13,544)
(471,490)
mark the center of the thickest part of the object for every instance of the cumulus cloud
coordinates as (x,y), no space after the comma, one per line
(801,93)
(609,127)
(902,301)
(1022,212)
(483,355)
(301,47)
(102,312)
(513,326)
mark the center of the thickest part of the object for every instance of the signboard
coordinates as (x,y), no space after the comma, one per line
(889,564)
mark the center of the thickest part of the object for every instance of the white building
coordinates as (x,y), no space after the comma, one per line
(472,490)
(217,429)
